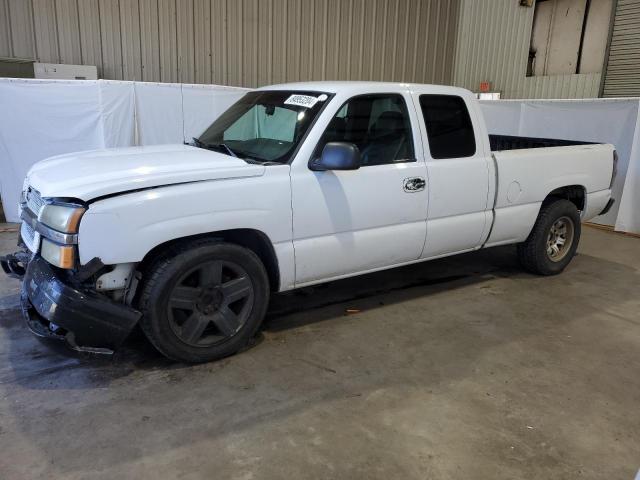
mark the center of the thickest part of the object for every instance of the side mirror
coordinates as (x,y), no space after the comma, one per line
(337,156)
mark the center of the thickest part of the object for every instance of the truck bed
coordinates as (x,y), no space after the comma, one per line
(526,177)
(511,142)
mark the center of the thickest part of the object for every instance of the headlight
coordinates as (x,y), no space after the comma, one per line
(64,218)
(62,256)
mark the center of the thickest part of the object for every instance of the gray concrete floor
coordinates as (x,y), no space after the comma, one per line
(459,368)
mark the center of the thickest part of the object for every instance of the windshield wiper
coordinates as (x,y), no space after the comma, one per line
(227,148)
(215,146)
(223,146)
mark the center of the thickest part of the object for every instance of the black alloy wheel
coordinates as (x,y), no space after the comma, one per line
(210,303)
(203,300)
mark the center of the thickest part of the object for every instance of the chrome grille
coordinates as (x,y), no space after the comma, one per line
(34,200)
(30,237)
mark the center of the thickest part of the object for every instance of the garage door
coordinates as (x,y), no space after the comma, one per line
(622,78)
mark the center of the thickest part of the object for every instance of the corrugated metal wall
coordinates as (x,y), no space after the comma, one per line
(238,42)
(622,78)
(493,45)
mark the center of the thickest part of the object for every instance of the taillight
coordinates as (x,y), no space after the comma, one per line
(615,169)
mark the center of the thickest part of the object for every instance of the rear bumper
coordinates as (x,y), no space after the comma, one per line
(86,320)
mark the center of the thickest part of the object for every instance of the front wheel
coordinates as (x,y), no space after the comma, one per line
(204,302)
(554,239)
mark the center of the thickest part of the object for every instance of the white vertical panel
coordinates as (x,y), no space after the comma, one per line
(68,31)
(264,45)
(167,30)
(346,35)
(219,40)
(90,38)
(5,30)
(110,35)
(293,49)
(130,32)
(595,36)
(202,39)
(233,43)
(21,29)
(335,44)
(279,22)
(186,41)
(356,55)
(250,52)
(307,24)
(46,31)
(149,40)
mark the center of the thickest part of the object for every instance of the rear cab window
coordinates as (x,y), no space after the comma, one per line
(449,128)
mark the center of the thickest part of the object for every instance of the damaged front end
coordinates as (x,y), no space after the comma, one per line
(55,308)
(60,298)
(86,320)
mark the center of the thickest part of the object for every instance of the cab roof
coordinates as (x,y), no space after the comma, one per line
(356,87)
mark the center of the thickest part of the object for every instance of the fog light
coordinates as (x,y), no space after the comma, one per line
(62,256)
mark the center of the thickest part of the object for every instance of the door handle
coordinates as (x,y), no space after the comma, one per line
(414,184)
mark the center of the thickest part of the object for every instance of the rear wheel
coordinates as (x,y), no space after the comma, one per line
(554,239)
(205,301)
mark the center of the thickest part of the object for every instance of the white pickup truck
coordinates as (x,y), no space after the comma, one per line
(293,185)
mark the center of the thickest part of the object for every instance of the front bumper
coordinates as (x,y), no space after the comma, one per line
(86,320)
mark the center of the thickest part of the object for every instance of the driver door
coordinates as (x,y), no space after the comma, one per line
(347,222)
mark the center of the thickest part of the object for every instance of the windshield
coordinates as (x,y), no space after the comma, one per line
(264,126)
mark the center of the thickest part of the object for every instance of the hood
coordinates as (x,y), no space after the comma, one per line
(91,174)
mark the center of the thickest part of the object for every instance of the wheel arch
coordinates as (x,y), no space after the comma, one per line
(576,194)
(255,240)
(533,252)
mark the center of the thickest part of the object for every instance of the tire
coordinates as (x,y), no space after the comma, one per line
(204,301)
(554,239)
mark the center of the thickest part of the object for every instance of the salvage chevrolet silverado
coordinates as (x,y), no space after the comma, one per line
(294,185)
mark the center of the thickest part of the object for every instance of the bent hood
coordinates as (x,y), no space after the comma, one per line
(92,174)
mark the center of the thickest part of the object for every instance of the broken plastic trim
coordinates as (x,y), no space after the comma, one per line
(70,338)
(89,269)
(15,264)
(53,308)
(40,329)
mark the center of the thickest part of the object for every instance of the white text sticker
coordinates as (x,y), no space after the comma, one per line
(306,101)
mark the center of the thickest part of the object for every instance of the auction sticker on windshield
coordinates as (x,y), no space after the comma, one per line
(306,101)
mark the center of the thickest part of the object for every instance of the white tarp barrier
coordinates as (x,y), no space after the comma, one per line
(203,103)
(174,113)
(613,121)
(502,116)
(43,118)
(116,108)
(628,219)
(158,113)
